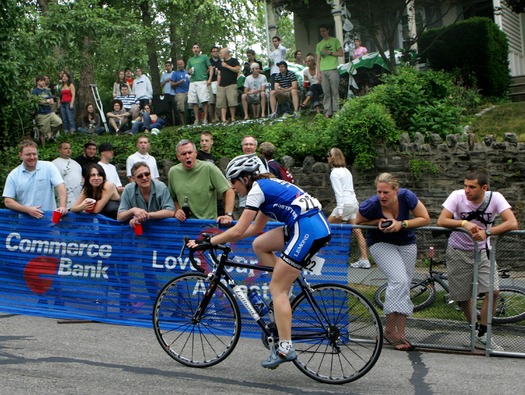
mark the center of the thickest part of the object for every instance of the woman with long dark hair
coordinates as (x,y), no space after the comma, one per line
(120,80)
(91,122)
(67,103)
(103,192)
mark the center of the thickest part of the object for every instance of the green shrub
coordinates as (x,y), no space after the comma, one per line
(360,126)
(420,168)
(476,46)
(442,118)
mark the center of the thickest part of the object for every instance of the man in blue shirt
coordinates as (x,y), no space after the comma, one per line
(180,81)
(29,188)
(45,118)
(168,92)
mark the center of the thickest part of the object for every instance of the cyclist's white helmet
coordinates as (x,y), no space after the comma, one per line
(249,163)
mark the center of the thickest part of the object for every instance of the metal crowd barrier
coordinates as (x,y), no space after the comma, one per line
(440,325)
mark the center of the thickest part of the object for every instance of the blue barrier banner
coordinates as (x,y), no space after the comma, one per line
(91,267)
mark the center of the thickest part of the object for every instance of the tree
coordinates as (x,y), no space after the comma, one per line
(517,6)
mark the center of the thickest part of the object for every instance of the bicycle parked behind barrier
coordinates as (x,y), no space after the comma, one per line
(510,304)
(336,331)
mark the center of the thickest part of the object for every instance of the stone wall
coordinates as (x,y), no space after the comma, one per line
(437,169)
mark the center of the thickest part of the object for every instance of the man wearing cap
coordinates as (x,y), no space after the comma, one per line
(285,90)
(328,51)
(198,183)
(142,155)
(29,188)
(255,92)
(106,152)
(89,156)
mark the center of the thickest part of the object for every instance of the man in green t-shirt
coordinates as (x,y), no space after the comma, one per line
(201,72)
(194,186)
(328,50)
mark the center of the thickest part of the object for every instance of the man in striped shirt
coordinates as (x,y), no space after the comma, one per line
(286,89)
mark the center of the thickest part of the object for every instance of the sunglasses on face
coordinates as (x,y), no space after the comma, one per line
(142,175)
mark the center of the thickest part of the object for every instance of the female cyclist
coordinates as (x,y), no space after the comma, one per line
(306,230)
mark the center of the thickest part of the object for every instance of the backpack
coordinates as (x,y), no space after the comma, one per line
(280,171)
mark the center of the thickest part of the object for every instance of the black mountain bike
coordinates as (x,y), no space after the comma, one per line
(336,331)
(510,304)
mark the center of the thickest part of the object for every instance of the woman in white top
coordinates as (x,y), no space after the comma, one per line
(347,204)
(311,82)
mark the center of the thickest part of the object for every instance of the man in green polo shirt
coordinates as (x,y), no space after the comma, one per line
(196,184)
(328,50)
(201,72)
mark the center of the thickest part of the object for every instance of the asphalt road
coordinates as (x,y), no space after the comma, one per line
(43,356)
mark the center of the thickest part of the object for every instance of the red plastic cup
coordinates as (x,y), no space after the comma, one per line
(56,216)
(138,229)
(94,202)
(306,84)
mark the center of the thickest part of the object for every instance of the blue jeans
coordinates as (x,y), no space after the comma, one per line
(315,91)
(147,124)
(68,117)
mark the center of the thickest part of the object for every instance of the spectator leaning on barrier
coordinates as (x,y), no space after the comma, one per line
(70,171)
(29,188)
(197,184)
(144,198)
(394,249)
(474,208)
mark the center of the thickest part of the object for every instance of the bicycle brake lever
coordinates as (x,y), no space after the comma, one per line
(184,242)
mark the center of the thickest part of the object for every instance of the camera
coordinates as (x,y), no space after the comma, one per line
(386,224)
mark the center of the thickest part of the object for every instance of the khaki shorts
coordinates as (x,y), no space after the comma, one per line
(460,265)
(253,98)
(213,96)
(181,99)
(198,93)
(46,121)
(283,97)
(227,96)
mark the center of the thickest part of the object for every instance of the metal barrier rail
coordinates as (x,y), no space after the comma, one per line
(440,325)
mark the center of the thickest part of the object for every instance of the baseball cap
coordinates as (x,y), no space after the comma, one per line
(282,62)
(89,143)
(105,147)
(254,65)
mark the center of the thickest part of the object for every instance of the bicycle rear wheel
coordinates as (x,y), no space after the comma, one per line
(196,343)
(341,340)
(510,305)
(422,295)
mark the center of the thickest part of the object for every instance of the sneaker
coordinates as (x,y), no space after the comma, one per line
(205,122)
(481,343)
(296,114)
(196,122)
(278,358)
(273,115)
(361,264)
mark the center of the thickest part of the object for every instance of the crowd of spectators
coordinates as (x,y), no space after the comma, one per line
(209,88)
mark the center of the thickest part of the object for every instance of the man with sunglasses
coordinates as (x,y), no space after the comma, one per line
(144,199)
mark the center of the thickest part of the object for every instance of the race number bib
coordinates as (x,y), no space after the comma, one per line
(315,265)
(306,203)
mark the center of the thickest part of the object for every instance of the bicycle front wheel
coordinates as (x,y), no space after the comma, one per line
(422,294)
(340,339)
(192,341)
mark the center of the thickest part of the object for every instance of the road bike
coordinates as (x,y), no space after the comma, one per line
(336,331)
(510,304)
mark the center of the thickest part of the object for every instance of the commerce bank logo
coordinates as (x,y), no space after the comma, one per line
(59,258)
(37,270)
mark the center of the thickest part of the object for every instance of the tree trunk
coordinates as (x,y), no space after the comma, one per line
(151,48)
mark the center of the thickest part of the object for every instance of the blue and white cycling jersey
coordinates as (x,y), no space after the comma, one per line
(307,229)
(280,200)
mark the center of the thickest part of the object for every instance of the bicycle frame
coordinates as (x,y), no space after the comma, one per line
(219,273)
